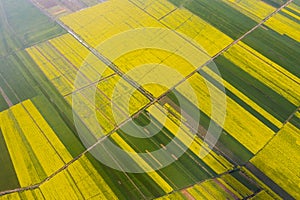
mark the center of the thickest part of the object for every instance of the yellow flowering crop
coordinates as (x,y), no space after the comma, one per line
(240,124)
(280,159)
(268,72)
(213,160)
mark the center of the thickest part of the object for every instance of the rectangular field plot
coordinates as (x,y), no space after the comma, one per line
(107,103)
(25,195)
(255,9)
(239,123)
(194,29)
(157,70)
(210,189)
(7,171)
(282,156)
(64,59)
(30,141)
(256,90)
(88,178)
(101,22)
(15,85)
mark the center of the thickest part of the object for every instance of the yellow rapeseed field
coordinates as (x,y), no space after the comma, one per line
(213,160)
(48,133)
(156,8)
(159,66)
(290,13)
(268,72)
(280,159)
(209,189)
(50,72)
(236,185)
(295,7)
(256,9)
(210,39)
(142,163)
(114,90)
(240,124)
(89,181)
(62,186)
(263,195)
(37,153)
(100,22)
(117,16)
(247,100)
(284,25)
(39,144)
(80,57)
(63,85)
(262,184)
(27,167)
(25,195)
(86,111)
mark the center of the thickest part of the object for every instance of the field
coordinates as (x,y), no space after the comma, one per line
(275,46)
(10,174)
(32,144)
(284,169)
(59,8)
(265,71)
(19,30)
(283,23)
(228,20)
(165,82)
(257,10)
(224,187)
(235,124)
(60,60)
(12,68)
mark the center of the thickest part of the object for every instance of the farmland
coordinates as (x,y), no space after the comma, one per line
(58,8)
(15,35)
(224,187)
(234,122)
(283,171)
(149,99)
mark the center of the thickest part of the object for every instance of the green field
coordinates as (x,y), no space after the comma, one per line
(7,169)
(233,150)
(220,15)
(278,48)
(275,3)
(19,29)
(277,105)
